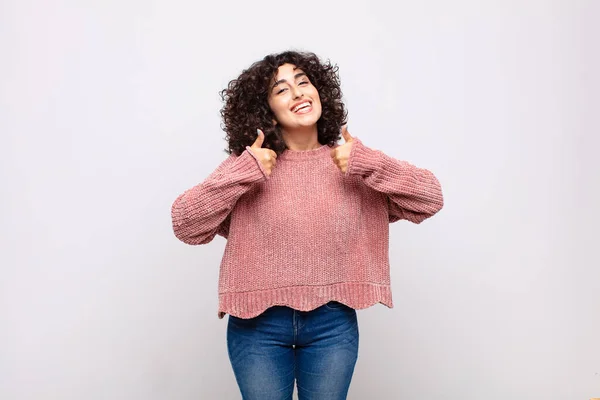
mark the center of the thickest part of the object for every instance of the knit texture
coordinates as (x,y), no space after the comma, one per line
(308,233)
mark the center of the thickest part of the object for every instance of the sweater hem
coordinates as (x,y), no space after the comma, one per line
(357,295)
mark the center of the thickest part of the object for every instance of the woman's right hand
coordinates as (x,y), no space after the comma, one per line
(267,157)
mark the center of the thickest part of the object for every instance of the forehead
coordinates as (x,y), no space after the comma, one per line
(286,71)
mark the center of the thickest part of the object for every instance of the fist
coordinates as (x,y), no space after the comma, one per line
(267,157)
(341,154)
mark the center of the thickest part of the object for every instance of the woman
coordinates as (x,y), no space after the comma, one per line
(306,222)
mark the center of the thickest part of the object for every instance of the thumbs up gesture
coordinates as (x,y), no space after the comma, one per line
(267,157)
(341,154)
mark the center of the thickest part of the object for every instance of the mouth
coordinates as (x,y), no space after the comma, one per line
(302,108)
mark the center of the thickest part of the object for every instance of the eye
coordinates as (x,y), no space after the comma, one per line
(303,83)
(281,90)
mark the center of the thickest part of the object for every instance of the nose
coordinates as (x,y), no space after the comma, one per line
(297,92)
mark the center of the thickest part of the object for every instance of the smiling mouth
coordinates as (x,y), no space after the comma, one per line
(302,108)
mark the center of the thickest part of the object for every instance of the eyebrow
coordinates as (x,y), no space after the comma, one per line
(298,75)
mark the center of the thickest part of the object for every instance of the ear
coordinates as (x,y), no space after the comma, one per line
(274,122)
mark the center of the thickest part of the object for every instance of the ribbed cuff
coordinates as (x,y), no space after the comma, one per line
(363,160)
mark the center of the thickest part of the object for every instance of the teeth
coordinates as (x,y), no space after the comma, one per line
(299,106)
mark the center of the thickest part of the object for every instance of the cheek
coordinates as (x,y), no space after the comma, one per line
(277,107)
(320,107)
(317,98)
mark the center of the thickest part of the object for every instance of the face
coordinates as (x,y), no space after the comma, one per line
(293,99)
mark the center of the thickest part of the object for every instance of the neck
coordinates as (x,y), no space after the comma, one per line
(302,139)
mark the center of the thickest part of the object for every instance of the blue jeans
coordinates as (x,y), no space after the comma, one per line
(317,348)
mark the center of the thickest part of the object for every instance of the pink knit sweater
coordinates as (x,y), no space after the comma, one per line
(308,233)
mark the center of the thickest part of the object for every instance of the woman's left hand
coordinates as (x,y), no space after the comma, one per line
(341,154)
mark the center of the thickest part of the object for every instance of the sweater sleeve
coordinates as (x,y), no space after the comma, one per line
(201,212)
(413,193)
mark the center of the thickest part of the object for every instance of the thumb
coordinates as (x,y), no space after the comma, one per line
(259,140)
(345,134)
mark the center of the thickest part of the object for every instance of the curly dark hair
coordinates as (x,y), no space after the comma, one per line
(246,105)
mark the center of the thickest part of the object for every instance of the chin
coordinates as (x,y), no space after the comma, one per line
(310,121)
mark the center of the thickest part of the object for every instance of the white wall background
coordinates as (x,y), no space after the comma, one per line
(109,110)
